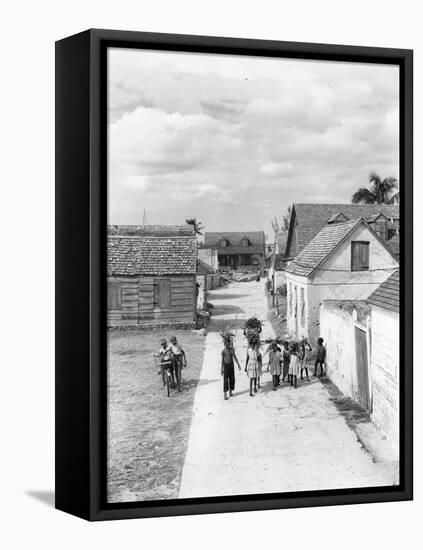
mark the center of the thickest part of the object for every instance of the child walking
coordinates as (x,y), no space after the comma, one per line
(179,359)
(275,360)
(286,357)
(320,357)
(305,351)
(228,369)
(252,367)
(294,365)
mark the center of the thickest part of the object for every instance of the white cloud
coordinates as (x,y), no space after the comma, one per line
(234,140)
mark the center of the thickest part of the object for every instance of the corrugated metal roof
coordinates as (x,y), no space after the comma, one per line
(387,295)
(151,255)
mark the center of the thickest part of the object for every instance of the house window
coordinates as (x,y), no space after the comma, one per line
(224,243)
(161,293)
(360,255)
(302,307)
(392,233)
(245,242)
(114,295)
(380,228)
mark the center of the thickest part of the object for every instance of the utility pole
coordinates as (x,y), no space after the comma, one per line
(144,219)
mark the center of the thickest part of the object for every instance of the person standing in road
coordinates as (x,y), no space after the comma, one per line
(294,365)
(305,351)
(228,369)
(275,360)
(252,367)
(320,357)
(286,357)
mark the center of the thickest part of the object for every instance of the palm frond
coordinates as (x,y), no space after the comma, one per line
(363,195)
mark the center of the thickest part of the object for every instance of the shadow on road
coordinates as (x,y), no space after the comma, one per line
(226,309)
(223,296)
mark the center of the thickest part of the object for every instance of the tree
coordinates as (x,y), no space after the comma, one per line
(286,219)
(379,191)
(197,226)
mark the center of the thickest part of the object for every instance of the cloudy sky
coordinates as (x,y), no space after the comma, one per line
(234,140)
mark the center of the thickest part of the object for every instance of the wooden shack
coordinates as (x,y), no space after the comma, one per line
(151,278)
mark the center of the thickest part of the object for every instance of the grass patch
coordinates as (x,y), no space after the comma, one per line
(147,431)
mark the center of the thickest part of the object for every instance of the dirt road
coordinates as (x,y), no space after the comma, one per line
(277,441)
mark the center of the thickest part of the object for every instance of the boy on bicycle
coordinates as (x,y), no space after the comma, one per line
(166,359)
(179,359)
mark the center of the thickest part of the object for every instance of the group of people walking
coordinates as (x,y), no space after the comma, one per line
(289,362)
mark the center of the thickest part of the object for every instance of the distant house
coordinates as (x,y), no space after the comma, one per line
(385,365)
(344,261)
(151,276)
(308,219)
(238,250)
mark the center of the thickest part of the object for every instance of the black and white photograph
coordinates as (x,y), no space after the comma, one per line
(253,275)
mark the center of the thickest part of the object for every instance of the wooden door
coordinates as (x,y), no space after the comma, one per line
(362,368)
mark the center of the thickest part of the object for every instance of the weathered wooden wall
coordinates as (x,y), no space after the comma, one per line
(137,299)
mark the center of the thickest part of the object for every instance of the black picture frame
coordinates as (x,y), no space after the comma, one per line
(81,332)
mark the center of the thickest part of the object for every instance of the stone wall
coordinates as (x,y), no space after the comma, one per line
(385,373)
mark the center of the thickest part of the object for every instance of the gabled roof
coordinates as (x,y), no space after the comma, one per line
(377,216)
(387,295)
(323,244)
(150,230)
(310,218)
(281,239)
(339,216)
(234,237)
(172,255)
(203,268)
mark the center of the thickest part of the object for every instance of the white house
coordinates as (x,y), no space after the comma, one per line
(344,261)
(384,303)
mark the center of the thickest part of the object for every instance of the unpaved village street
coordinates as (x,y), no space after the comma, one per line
(277,441)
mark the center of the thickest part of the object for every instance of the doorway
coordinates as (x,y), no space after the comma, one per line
(362,368)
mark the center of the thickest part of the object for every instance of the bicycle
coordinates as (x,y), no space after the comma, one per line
(166,372)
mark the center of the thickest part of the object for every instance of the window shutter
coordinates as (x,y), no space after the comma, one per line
(162,293)
(165,294)
(365,253)
(355,256)
(114,295)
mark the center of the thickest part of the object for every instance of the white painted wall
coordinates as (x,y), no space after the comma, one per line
(338,332)
(202,291)
(299,326)
(336,280)
(385,373)
(209,255)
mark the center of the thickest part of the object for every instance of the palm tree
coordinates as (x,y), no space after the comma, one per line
(380,191)
(197,226)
